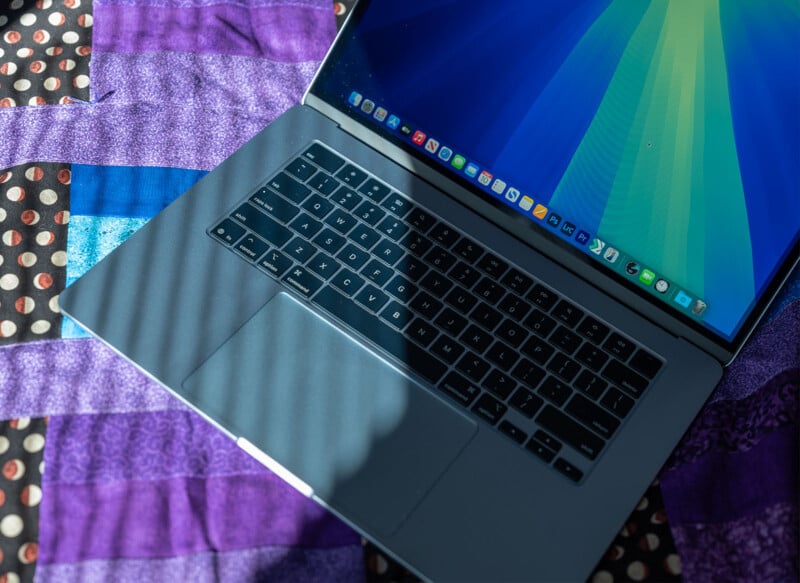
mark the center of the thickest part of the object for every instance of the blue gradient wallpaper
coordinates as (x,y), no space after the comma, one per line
(668,127)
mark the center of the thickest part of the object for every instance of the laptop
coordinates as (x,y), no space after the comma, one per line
(469,295)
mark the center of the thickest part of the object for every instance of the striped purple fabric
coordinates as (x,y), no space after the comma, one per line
(219,29)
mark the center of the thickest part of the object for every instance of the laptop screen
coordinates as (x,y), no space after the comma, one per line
(660,140)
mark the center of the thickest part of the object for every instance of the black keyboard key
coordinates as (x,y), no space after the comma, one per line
(300,250)
(468,250)
(517,281)
(464,274)
(528,373)
(568,313)
(329,241)
(451,322)
(417,359)
(277,206)
(341,221)
(568,469)
(512,333)
(397,315)
(421,219)
(460,299)
(479,340)
(302,280)
(351,175)
(411,267)
(228,232)
(526,402)
(514,306)
(625,378)
(347,281)
(393,228)
(547,440)
(591,356)
(564,367)
(305,225)
(502,355)
(440,259)
(512,431)
(489,291)
(619,346)
(289,187)
(473,366)
(486,316)
(401,288)
(593,330)
(426,305)
(301,169)
(324,158)
(544,453)
(251,247)
(542,297)
(590,384)
(353,256)
(570,431)
(346,197)
(492,265)
(318,206)
(617,402)
(372,298)
(323,183)
(387,251)
(364,236)
(375,190)
(500,384)
(592,416)
(554,391)
(537,349)
(459,388)
(324,265)
(645,363)
(447,349)
(262,225)
(444,234)
(421,331)
(436,283)
(377,272)
(369,213)
(489,408)
(416,243)
(565,339)
(540,323)
(275,262)
(397,205)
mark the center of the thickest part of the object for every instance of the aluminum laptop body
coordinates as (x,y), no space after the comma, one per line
(350,416)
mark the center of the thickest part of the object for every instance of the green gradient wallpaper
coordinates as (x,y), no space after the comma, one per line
(668,128)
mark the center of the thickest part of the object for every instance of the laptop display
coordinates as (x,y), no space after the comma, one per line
(624,129)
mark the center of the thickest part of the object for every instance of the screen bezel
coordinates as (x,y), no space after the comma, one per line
(530,232)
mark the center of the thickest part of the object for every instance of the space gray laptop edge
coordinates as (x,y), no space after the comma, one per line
(445,298)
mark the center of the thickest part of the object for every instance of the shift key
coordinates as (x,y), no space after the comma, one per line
(570,431)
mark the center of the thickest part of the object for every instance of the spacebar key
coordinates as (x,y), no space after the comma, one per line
(393,342)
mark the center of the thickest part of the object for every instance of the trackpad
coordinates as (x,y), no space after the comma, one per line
(365,438)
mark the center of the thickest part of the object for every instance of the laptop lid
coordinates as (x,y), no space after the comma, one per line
(651,147)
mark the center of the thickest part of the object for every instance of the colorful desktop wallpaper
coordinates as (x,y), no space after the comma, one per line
(669,128)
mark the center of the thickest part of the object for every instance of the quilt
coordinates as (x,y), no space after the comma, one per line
(109,110)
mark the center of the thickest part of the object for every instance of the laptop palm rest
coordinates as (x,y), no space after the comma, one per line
(352,427)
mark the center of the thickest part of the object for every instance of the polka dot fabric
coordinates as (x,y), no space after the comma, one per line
(34,214)
(45,47)
(21,466)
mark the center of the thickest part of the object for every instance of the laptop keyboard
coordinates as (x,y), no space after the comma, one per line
(549,376)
